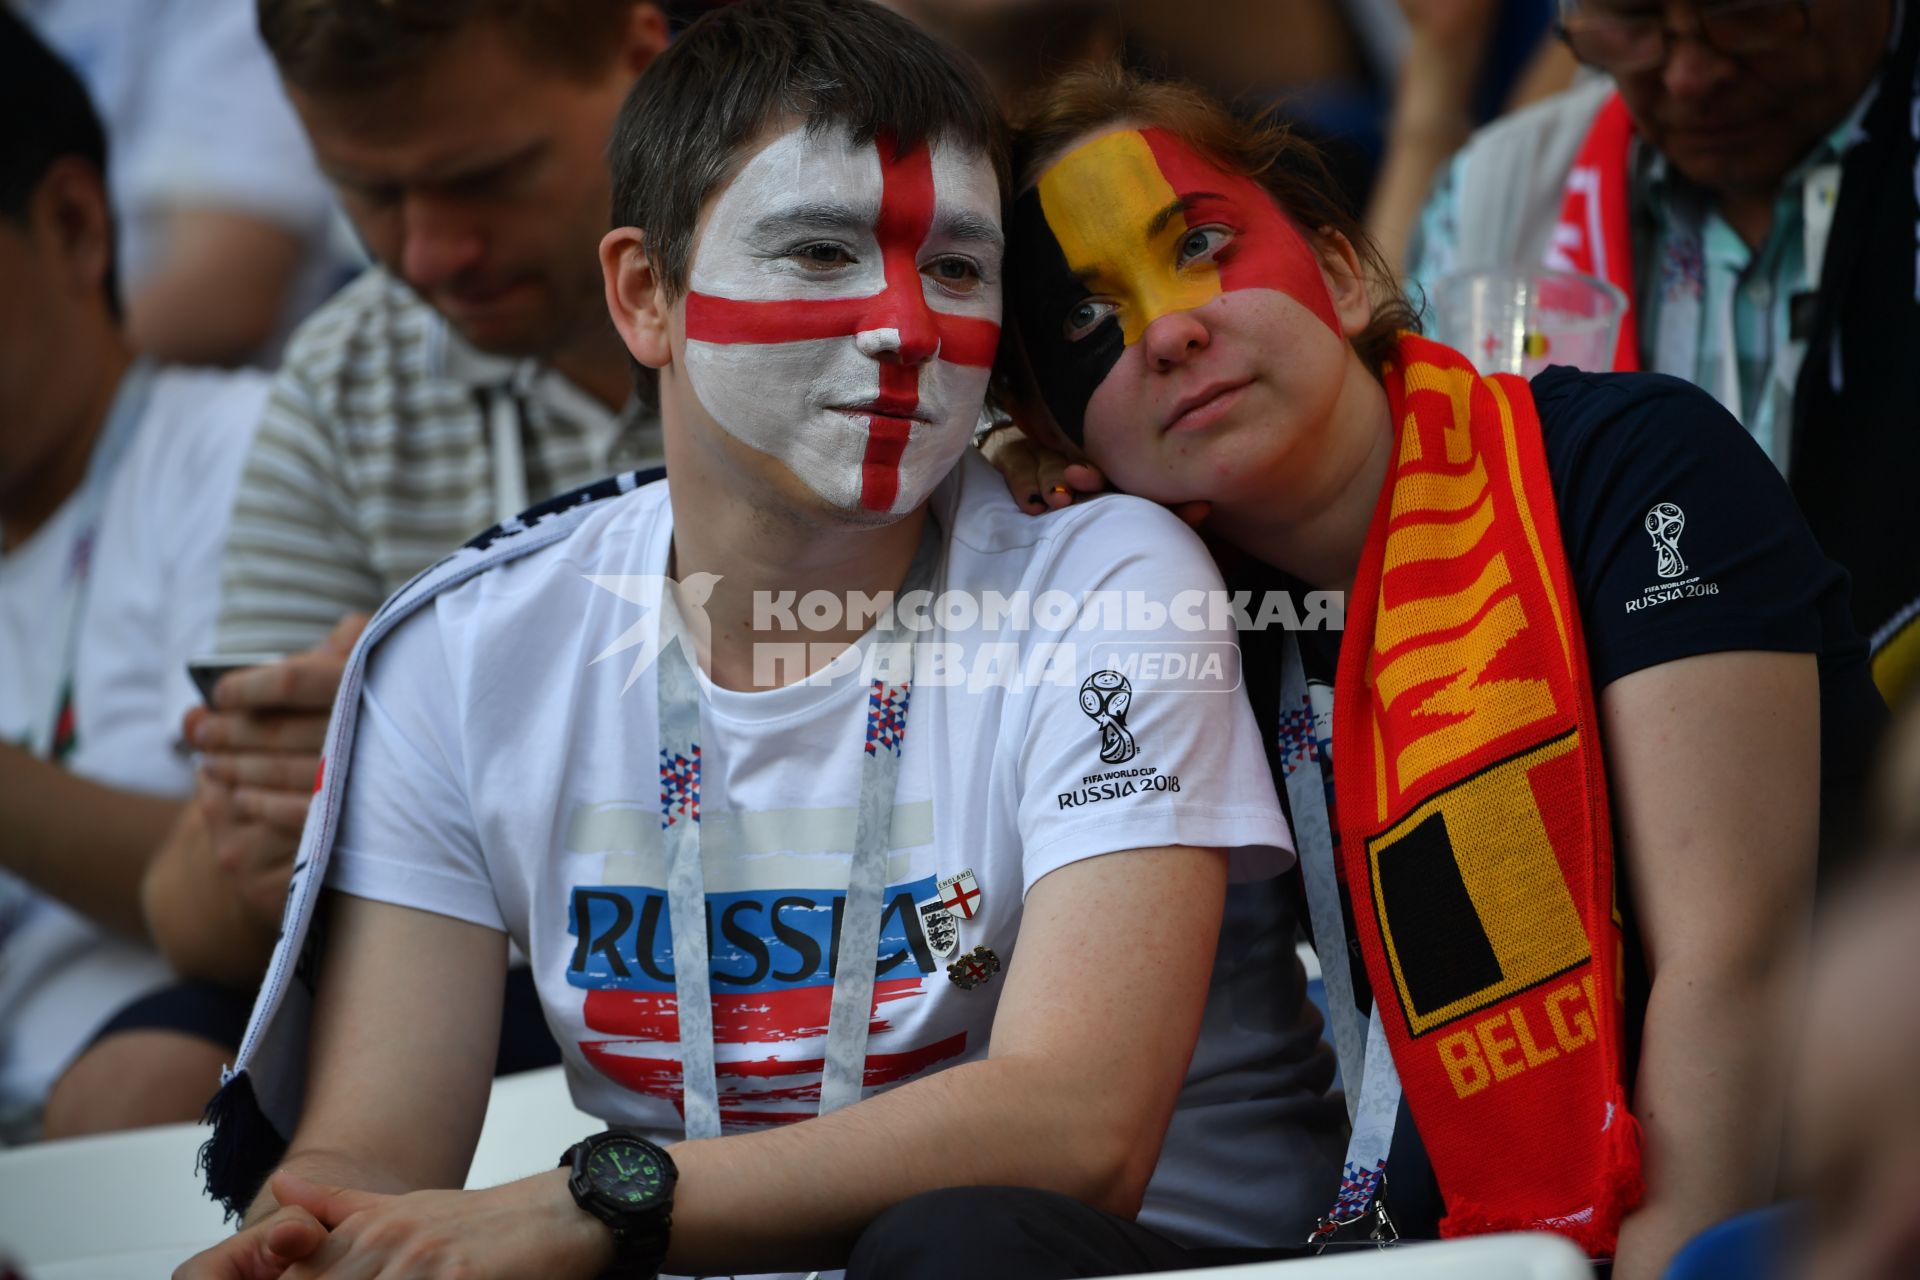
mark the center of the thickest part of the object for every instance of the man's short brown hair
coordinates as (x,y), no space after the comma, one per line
(682,131)
(327,46)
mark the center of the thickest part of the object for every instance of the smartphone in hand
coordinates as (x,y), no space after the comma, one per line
(206,672)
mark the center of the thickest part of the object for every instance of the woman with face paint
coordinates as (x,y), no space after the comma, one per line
(1559,780)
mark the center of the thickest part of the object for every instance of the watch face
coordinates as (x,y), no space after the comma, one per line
(626,1172)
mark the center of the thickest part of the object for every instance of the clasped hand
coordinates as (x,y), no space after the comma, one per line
(525,1228)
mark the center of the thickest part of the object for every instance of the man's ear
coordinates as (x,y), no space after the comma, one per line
(69,216)
(646,36)
(1346,280)
(636,299)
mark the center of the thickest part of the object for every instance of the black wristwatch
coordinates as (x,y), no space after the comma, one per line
(626,1182)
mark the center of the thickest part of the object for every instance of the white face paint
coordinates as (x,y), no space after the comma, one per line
(843,309)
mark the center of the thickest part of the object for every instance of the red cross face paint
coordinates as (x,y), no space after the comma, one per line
(844,310)
(1127,228)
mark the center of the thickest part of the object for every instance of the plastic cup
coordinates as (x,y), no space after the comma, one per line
(1522,321)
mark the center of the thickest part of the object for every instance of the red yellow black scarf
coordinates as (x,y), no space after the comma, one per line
(1473,815)
(1592,234)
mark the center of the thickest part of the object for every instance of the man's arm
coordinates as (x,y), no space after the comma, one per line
(81,842)
(1080,1081)
(1714,766)
(1075,1094)
(200,918)
(398,1072)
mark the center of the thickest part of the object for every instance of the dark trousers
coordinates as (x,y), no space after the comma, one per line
(1013,1233)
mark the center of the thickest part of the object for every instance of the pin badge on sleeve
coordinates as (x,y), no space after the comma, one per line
(974,969)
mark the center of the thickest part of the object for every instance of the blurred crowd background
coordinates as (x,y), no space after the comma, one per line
(229,237)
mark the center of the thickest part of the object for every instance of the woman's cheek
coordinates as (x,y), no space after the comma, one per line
(1124,440)
(1110,437)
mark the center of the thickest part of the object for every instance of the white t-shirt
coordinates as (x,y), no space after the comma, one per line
(500,776)
(155,590)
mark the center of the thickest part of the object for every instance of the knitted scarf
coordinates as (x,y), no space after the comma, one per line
(1593,236)
(1473,816)
(1855,448)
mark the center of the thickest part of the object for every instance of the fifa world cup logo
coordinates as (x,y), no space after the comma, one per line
(1664,524)
(1105,696)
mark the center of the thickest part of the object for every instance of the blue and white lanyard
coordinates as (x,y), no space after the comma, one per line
(844,1071)
(1371,1081)
(122,424)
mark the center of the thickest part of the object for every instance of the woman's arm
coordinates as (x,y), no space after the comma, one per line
(83,843)
(1714,770)
(197,916)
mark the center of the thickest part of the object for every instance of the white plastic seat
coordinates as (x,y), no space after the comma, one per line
(119,1204)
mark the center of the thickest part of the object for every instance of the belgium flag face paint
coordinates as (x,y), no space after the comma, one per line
(1128,228)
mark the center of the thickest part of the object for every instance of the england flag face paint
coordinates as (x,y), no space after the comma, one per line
(844,309)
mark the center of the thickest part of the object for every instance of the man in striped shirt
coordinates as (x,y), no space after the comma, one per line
(470,371)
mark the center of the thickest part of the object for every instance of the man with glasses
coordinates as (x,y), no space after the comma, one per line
(1745,171)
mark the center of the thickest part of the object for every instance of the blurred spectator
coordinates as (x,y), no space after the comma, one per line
(1461,56)
(226,230)
(1020,44)
(1326,65)
(115,476)
(1386,88)
(1857,1115)
(1895,821)
(1743,172)
(474,369)
(1856,1132)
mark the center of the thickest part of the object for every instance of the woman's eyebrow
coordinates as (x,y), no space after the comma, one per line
(1159,221)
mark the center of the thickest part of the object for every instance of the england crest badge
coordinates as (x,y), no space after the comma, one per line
(974,969)
(940,928)
(961,895)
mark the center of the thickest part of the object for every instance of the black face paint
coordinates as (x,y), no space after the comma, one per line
(1042,293)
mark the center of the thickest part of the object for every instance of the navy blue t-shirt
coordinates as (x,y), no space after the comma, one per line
(1681,539)
(1639,460)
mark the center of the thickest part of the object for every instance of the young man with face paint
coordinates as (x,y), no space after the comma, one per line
(1560,778)
(838,932)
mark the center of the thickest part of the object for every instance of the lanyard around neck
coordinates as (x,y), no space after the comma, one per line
(1367,1072)
(844,1070)
(123,421)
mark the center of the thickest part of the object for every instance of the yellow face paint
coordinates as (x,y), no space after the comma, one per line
(1102,203)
